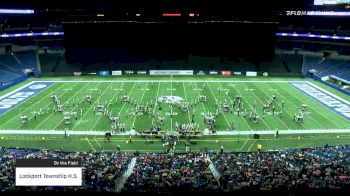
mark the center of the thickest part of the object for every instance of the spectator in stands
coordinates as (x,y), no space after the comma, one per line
(313,168)
(165,173)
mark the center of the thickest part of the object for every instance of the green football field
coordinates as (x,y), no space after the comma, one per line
(86,130)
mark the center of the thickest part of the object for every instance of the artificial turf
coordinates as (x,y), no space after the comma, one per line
(147,90)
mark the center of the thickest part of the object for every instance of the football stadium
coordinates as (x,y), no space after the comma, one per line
(187,96)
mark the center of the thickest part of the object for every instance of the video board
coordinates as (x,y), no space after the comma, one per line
(330,2)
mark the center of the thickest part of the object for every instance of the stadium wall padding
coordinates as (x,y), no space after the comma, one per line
(317,78)
(13,82)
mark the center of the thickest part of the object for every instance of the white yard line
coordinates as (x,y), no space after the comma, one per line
(262,120)
(171,108)
(294,105)
(246,141)
(204,109)
(188,111)
(63,110)
(43,109)
(243,118)
(39,101)
(144,92)
(91,145)
(91,106)
(106,90)
(159,81)
(228,123)
(250,147)
(154,106)
(128,95)
(258,98)
(199,95)
(97,142)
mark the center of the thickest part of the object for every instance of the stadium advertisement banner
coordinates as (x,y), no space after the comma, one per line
(16,97)
(325,98)
(200,73)
(116,73)
(238,73)
(226,73)
(129,72)
(213,72)
(76,73)
(251,73)
(104,73)
(170,72)
(141,72)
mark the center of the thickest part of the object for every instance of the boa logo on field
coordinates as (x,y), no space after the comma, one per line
(37,86)
(170,99)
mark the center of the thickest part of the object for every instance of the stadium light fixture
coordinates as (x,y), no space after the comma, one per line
(334,37)
(279,34)
(31,34)
(16,11)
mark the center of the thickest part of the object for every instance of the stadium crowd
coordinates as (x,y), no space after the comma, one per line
(286,170)
(171,173)
(320,168)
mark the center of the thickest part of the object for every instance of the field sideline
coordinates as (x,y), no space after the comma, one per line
(213,143)
(147,90)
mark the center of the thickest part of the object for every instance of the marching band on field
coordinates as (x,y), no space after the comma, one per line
(232,104)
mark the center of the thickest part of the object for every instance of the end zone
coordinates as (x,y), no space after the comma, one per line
(20,95)
(325,98)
